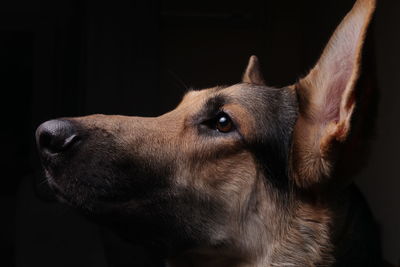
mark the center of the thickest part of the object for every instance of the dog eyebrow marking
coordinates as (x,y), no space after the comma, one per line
(210,108)
(214,104)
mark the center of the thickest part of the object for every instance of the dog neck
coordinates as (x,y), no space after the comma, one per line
(296,238)
(306,243)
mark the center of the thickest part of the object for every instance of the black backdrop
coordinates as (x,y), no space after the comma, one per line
(71,57)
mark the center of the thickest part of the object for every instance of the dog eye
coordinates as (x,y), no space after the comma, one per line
(223,123)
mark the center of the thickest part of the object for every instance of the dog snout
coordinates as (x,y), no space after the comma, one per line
(56,136)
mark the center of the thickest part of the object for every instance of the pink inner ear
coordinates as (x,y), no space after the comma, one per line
(335,94)
(339,68)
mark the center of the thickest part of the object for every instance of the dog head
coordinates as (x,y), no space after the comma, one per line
(226,160)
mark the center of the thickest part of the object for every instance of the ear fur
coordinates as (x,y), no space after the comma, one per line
(253,74)
(326,98)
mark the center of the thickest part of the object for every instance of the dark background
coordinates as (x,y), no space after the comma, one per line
(70,58)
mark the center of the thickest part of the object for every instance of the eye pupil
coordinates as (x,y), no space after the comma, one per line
(224,123)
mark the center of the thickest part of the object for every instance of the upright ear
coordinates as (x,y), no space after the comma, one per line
(253,74)
(327,100)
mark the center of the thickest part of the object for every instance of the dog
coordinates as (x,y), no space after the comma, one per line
(239,175)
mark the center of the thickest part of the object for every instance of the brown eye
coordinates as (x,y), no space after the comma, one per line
(224,123)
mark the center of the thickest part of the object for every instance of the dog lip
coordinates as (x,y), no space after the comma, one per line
(54,186)
(97,205)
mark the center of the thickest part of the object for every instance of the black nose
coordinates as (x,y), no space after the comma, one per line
(56,136)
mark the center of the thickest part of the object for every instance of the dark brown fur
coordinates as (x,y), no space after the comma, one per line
(261,194)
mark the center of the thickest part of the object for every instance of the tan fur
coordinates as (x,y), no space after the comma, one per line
(253,74)
(316,129)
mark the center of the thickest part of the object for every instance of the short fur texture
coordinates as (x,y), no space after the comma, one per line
(257,195)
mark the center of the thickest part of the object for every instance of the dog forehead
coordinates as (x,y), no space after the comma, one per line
(247,95)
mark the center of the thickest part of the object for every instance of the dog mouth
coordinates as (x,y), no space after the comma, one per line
(93,205)
(94,182)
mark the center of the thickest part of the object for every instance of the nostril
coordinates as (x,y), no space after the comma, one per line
(68,142)
(56,136)
(45,139)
